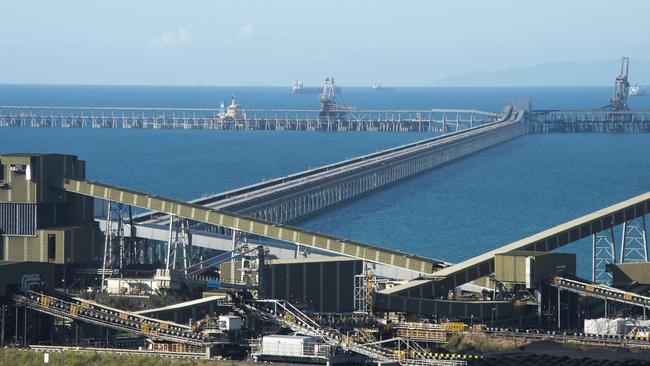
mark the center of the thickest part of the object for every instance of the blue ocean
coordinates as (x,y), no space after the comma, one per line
(460,210)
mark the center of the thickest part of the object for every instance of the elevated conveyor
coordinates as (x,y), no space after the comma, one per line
(251,200)
(455,275)
(600,291)
(250,225)
(64,306)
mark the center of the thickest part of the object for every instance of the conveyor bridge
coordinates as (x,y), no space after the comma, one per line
(237,222)
(294,196)
(455,275)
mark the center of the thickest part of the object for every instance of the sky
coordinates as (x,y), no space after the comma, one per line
(262,42)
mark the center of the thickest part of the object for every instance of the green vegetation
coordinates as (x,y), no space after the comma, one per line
(481,343)
(21,357)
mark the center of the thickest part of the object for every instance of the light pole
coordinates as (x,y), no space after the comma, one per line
(471,321)
(493,310)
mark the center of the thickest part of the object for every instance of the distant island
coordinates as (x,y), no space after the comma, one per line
(552,74)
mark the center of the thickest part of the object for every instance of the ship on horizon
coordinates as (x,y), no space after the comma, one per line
(298,87)
(637,91)
(378,87)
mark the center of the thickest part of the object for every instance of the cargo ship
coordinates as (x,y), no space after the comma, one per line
(636,90)
(298,87)
(378,87)
(232,112)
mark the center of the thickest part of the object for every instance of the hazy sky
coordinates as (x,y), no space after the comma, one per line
(201,42)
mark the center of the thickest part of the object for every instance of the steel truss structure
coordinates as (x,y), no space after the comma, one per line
(634,248)
(364,287)
(181,254)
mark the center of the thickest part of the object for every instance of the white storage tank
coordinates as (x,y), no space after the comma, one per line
(286,345)
(230,322)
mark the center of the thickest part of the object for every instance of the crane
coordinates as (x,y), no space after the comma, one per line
(618,102)
(329,108)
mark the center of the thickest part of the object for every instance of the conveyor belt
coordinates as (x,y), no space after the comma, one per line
(255,226)
(235,200)
(599,291)
(547,240)
(62,305)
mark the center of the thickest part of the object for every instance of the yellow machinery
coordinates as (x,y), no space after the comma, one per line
(640,333)
(45,301)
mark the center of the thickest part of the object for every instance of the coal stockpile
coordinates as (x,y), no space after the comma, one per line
(551,353)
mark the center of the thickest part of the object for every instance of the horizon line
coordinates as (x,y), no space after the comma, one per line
(308,86)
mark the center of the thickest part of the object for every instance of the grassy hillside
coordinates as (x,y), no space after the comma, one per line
(19,357)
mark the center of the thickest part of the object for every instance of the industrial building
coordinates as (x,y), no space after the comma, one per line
(39,223)
(319,284)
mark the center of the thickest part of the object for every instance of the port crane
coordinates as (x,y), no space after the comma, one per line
(329,108)
(618,102)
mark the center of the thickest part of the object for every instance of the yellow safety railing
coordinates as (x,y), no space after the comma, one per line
(455,327)
(434,335)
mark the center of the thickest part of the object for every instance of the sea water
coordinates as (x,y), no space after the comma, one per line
(463,209)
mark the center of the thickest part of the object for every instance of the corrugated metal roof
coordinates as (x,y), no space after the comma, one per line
(311,260)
